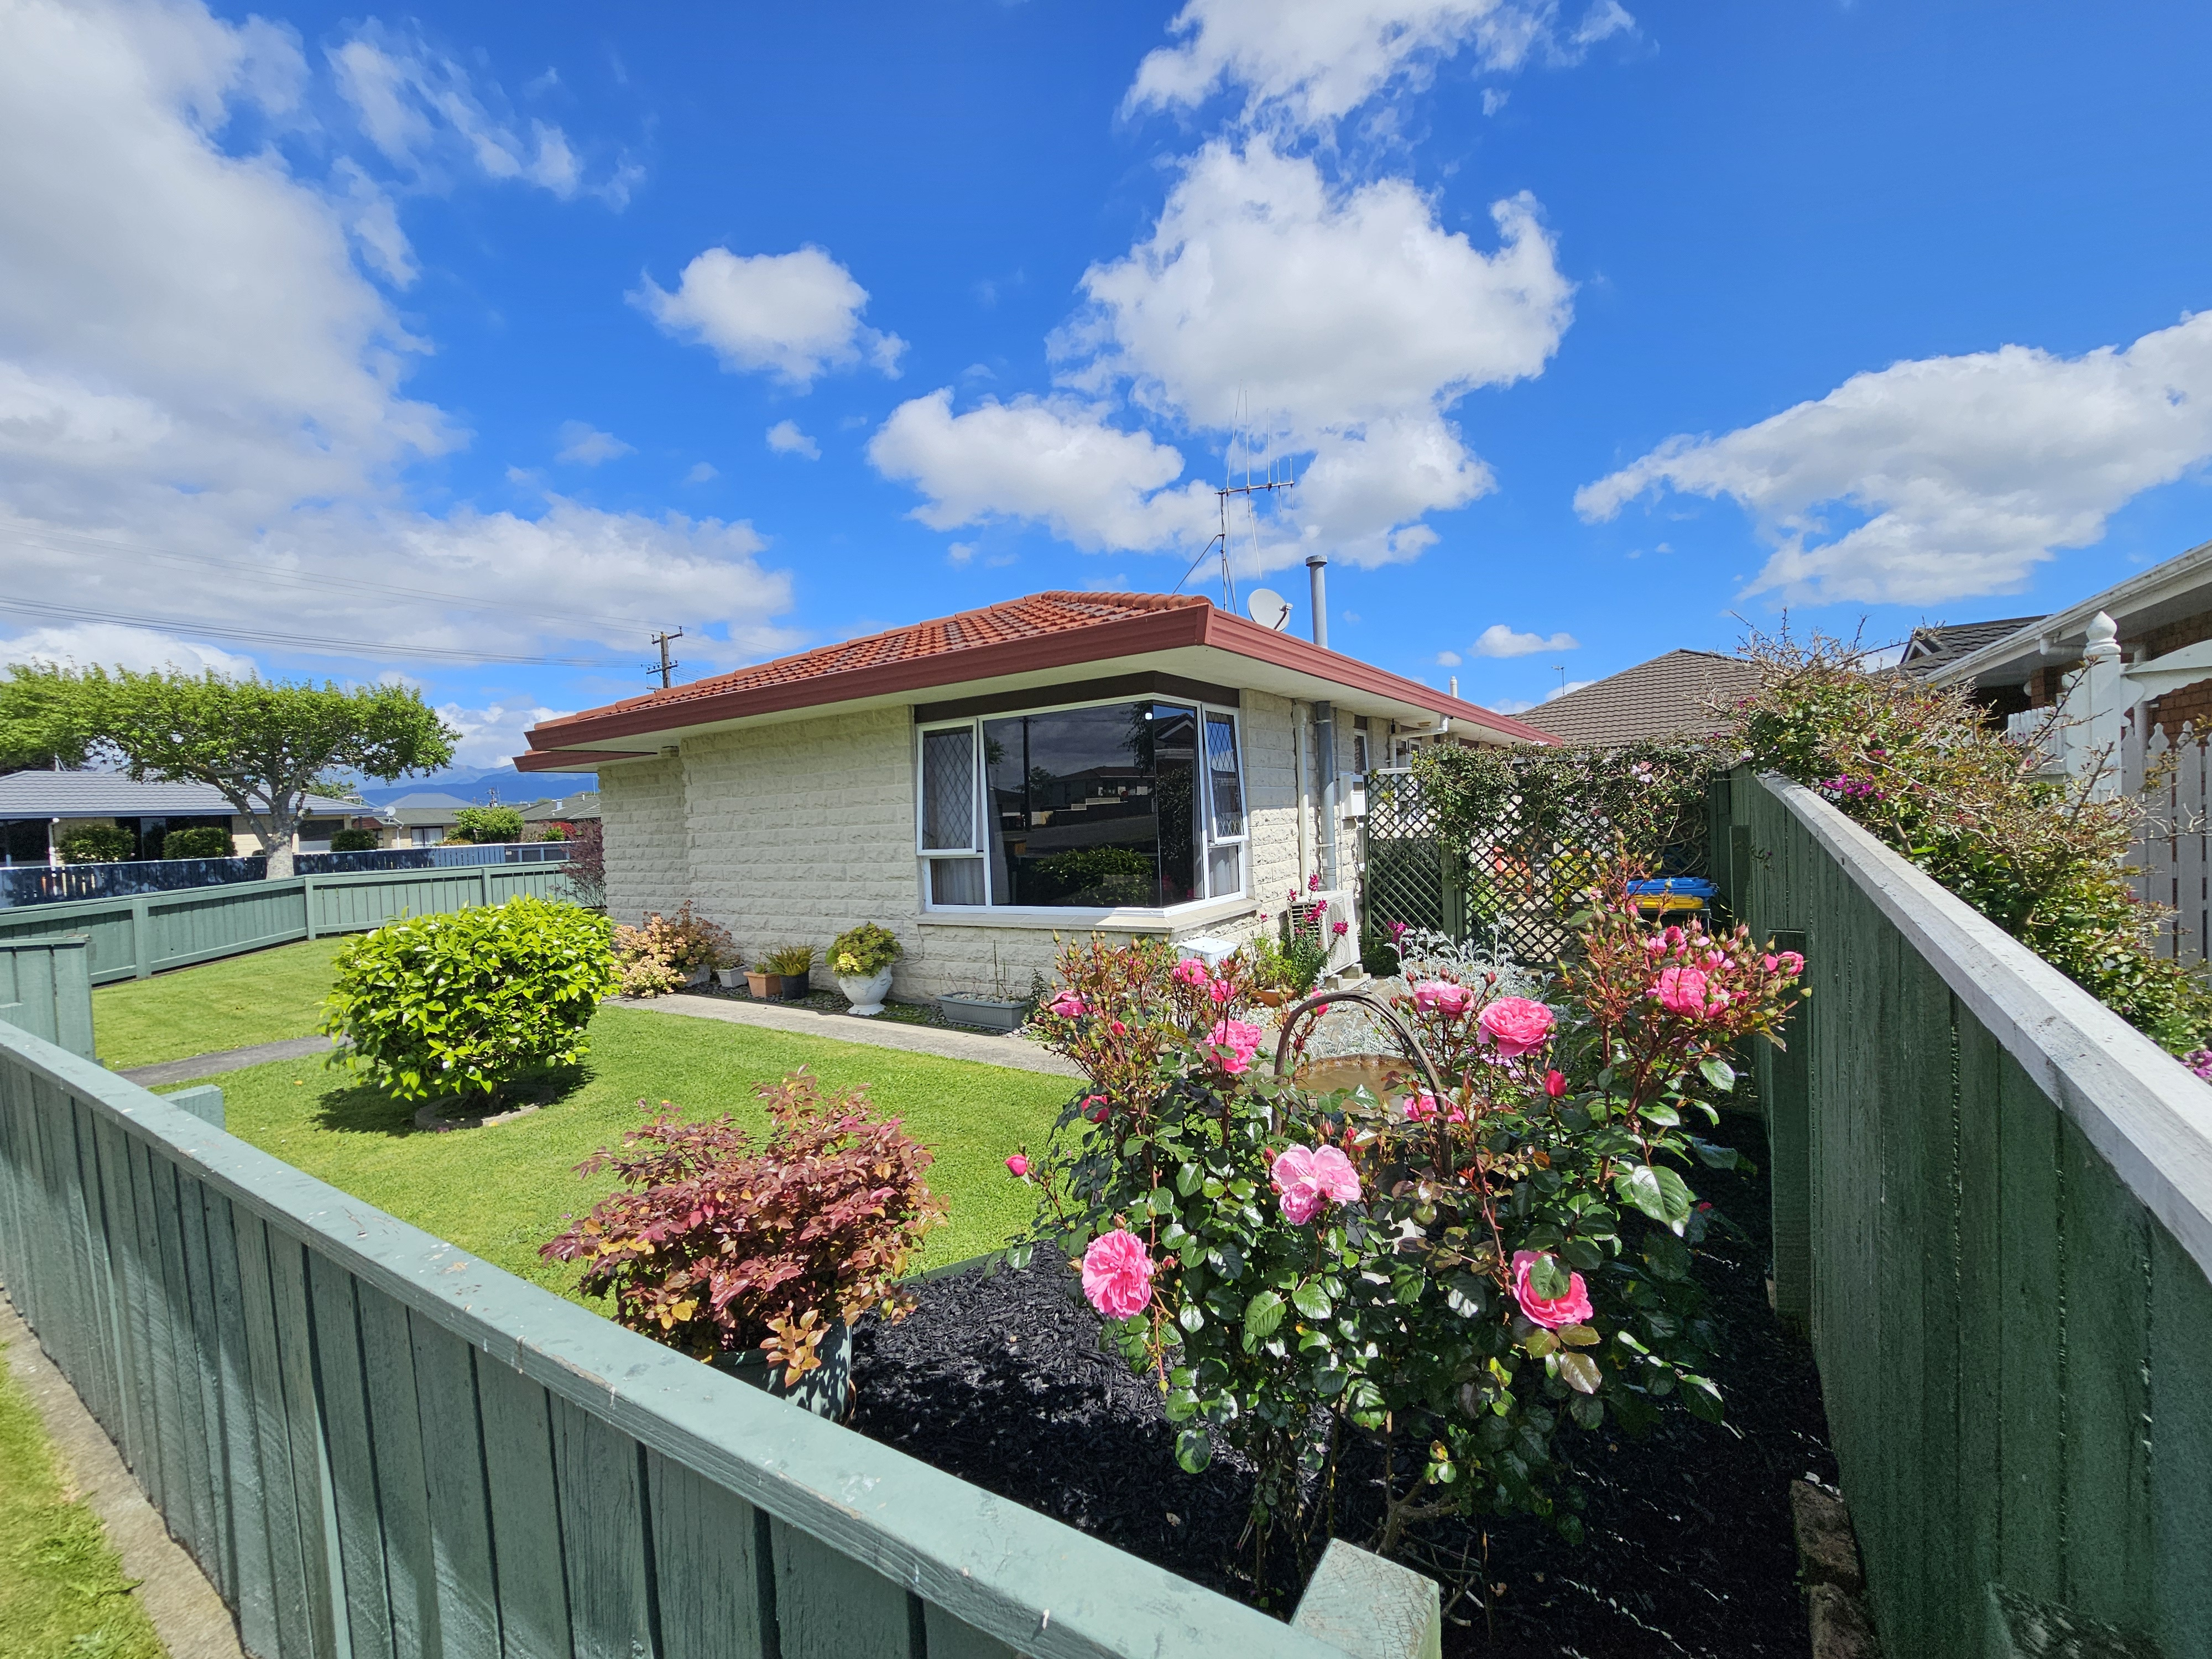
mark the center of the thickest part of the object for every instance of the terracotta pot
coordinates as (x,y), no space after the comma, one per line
(1273,999)
(764,985)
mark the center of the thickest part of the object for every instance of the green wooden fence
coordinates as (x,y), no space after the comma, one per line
(378,1447)
(1993,1206)
(45,988)
(137,938)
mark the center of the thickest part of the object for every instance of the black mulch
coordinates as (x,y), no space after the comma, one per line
(1688,1548)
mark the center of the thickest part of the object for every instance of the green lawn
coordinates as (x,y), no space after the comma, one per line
(500,1193)
(232,1004)
(62,1588)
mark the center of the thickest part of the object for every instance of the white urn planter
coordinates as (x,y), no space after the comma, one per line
(866,995)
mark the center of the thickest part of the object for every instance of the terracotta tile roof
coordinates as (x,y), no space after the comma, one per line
(1042,631)
(1665,698)
(1034,616)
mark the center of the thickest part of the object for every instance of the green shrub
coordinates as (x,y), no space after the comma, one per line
(469,1003)
(353,841)
(488,824)
(94,843)
(860,952)
(789,960)
(208,841)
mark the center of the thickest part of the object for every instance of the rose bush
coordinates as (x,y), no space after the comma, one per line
(1456,1275)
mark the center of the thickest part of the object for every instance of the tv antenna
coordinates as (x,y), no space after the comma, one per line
(1266,484)
(666,667)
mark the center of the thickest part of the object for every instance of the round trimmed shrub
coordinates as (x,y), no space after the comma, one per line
(94,843)
(469,1002)
(353,841)
(205,841)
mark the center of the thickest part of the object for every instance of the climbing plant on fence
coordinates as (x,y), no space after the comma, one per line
(1498,844)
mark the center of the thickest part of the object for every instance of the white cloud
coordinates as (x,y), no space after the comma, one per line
(1055,462)
(795,315)
(583,444)
(1499,640)
(493,736)
(960,553)
(786,439)
(1448,660)
(1947,477)
(421,109)
(1310,63)
(114,645)
(201,417)
(701,472)
(1347,317)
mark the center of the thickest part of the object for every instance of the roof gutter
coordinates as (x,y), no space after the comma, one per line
(2046,640)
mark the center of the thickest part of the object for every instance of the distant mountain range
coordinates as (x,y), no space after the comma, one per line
(512,788)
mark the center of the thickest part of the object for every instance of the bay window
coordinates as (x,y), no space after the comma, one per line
(1108,805)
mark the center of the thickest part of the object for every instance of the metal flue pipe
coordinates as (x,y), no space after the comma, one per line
(1316,568)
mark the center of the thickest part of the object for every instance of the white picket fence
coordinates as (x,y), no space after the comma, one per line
(2173,855)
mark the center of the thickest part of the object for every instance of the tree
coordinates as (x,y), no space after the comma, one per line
(265,745)
(488,824)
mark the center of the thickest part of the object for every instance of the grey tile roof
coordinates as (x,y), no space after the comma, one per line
(42,794)
(583,803)
(428,800)
(1930,648)
(1665,698)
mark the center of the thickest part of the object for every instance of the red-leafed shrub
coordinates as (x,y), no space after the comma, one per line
(722,1242)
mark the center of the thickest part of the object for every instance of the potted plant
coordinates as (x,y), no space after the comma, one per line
(861,958)
(728,970)
(996,1011)
(782,972)
(757,1257)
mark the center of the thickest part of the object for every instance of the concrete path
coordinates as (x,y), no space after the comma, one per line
(1018,1053)
(227,1060)
(188,1616)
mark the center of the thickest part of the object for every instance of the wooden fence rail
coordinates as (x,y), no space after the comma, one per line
(378,1447)
(138,937)
(1993,1205)
(45,988)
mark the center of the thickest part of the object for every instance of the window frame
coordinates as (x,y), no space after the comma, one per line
(989,907)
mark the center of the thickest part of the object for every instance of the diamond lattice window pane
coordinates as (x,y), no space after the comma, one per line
(948,790)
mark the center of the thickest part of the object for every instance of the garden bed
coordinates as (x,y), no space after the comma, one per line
(1689,1545)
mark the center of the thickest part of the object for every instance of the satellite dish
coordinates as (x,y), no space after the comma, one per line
(1269,609)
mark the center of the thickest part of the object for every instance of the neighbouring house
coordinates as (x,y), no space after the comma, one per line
(1066,763)
(423,819)
(578,808)
(2157,614)
(37,807)
(1673,695)
(1933,649)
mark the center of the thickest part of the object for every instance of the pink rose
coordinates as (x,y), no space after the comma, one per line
(1239,1036)
(1423,1107)
(1018,1165)
(1516,1026)
(1442,996)
(1117,1273)
(1310,1177)
(1190,971)
(1681,991)
(1221,990)
(1067,1005)
(1555,1312)
(1792,963)
(1095,1107)
(1117,1027)
(1555,1084)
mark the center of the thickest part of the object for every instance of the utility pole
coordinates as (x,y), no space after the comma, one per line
(668,667)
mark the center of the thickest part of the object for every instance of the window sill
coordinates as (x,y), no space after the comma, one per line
(1073,920)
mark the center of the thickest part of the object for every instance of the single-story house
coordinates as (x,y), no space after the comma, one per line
(1934,648)
(37,806)
(423,819)
(1062,764)
(1670,696)
(2158,613)
(578,808)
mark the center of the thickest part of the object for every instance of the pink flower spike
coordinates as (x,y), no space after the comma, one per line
(1018,1165)
(1067,1005)
(1307,1177)
(1515,1026)
(1553,1313)
(1341,928)
(1117,1274)
(1313,882)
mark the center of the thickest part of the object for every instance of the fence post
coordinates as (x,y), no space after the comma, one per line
(307,901)
(1790,1155)
(1371,1608)
(142,939)
(484,884)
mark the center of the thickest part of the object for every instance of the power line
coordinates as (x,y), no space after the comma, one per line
(307,642)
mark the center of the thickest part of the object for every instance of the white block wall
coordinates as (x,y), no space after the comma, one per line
(791,834)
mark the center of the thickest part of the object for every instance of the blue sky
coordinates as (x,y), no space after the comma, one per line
(1590,329)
